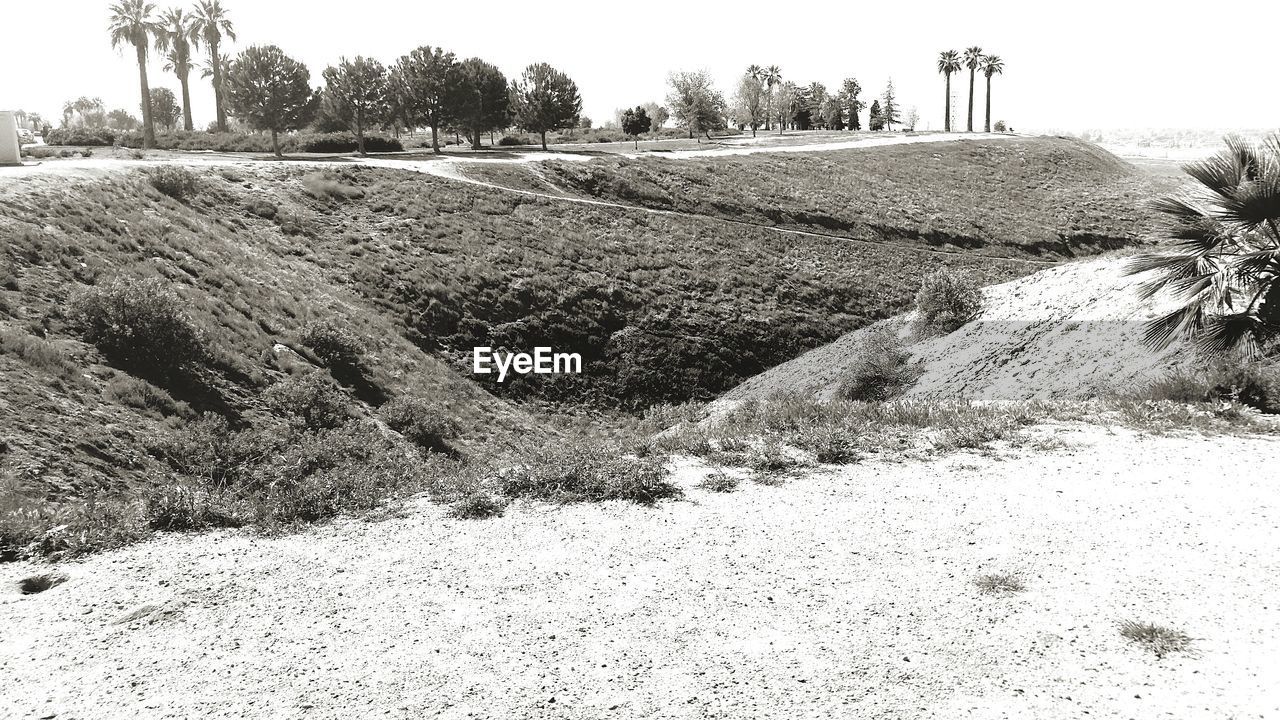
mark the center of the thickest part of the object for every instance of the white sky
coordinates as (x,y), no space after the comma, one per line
(1078,65)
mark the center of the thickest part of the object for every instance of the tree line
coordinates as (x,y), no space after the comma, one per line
(271,92)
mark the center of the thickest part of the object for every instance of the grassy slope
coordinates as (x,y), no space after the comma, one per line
(661,307)
(249,284)
(1038,197)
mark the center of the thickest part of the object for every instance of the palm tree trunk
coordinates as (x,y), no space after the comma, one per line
(971,77)
(947,123)
(218,106)
(186,103)
(988,124)
(148,128)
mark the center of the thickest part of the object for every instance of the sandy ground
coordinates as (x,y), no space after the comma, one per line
(1068,331)
(847,592)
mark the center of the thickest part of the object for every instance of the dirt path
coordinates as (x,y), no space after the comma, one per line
(845,593)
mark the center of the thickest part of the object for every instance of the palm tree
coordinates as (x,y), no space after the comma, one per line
(771,75)
(211,24)
(177,39)
(948,64)
(131,24)
(991,65)
(1224,260)
(972,58)
(755,72)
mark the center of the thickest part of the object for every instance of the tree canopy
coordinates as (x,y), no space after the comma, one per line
(269,90)
(482,101)
(545,99)
(695,102)
(356,93)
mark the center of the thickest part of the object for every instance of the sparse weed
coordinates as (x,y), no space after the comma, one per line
(584,471)
(1156,639)
(999,583)
(720,481)
(477,506)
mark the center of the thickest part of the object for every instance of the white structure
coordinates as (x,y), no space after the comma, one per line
(9,153)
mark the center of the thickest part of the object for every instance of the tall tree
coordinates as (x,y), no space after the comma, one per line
(991,65)
(658,115)
(875,121)
(948,65)
(132,24)
(545,99)
(430,79)
(889,107)
(849,91)
(484,100)
(165,110)
(84,112)
(749,108)
(121,120)
(786,96)
(212,25)
(177,40)
(1224,261)
(271,91)
(635,121)
(356,93)
(695,102)
(772,76)
(972,58)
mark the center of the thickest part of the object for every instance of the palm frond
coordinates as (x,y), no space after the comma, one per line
(1230,333)
(1255,202)
(1160,332)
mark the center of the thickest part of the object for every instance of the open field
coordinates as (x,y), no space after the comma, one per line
(845,591)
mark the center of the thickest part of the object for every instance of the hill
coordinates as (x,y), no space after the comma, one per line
(1066,332)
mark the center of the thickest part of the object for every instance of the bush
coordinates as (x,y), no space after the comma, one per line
(336,345)
(142,395)
(310,400)
(97,137)
(477,506)
(346,142)
(323,187)
(509,140)
(882,370)
(946,300)
(421,422)
(36,530)
(1256,385)
(141,326)
(587,471)
(175,181)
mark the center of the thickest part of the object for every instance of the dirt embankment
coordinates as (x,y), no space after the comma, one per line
(1069,331)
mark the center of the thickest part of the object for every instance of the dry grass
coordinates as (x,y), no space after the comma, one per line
(999,583)
(1156,639)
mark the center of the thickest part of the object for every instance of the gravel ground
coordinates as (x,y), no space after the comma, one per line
(846,592)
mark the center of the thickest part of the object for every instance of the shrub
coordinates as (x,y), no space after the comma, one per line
(37,352)
(587,471)
(421,422)
(175,181)
(142,395)
(946,300)
(509,140)
(1256,385)
(345,143)
(336,345)
(323,187)
(82,136)
(68,531)
(193,506)
(881,371)
(311,400)
(720,482)
(770,461)
(263,209)
(140,325)
(477,506)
